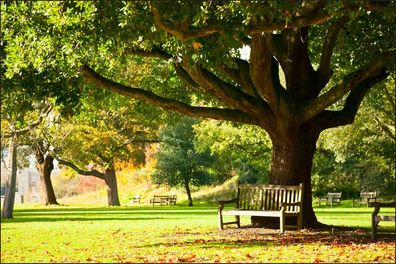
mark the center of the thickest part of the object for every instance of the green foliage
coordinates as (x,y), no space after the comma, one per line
(360,157)
(244,150)
(178,161)
(107,129)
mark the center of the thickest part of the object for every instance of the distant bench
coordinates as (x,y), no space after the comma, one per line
(331,198)
(163,199)
(265,200)
(375,218)
(365,198)
(135,199)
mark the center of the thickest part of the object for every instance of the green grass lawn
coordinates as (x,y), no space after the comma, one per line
(182,234)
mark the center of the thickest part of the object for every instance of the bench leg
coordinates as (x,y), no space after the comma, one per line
(238,220)
(374,225)
(220,219)
(299,221)
(282,221)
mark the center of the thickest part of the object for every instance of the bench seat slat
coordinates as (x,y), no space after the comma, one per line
(252,212)
(385,218)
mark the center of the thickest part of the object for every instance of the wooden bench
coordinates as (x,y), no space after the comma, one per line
(265,200)
(332,198)
(163,199)
(365,198)
(375,218)
(135,199)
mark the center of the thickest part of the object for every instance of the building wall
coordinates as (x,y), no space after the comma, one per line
(28,180)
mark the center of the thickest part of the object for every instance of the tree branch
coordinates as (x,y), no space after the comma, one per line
(94,173)
(185,77)
(324,69)
(348,83)
(298,22)
(227,93)
(386,129)
(180,33)
(166,103)
(261,68)
(155,52)
(44,113)
(346,116)
(244,76)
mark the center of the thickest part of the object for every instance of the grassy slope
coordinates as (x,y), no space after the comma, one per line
(146,189)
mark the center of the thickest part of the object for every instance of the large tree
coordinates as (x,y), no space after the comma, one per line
(330,53)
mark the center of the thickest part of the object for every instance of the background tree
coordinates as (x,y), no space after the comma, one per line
(16,123)
(178,161)
(100,134)
(241,149)
(331,53)
(45,165)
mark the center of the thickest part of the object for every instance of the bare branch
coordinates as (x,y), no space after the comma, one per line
(166,103)
(94,173)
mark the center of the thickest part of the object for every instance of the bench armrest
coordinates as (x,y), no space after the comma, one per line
(378,204)
(227,202)
(222,203)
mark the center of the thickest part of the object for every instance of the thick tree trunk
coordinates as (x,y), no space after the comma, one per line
(9,196)
(188,191)
(112,190)
(292,157)
(45,168)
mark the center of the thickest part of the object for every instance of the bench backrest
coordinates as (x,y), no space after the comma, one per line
(368,195)
(268,197)
(335,197)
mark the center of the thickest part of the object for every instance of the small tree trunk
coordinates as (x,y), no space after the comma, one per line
(111,184)
(9,196)
(188,191)
(47,191)
(45,165)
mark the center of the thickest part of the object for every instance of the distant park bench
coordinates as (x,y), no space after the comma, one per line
(163,199)
(331,198)
(135,199)
(365,198)
(265,200)
(375,218)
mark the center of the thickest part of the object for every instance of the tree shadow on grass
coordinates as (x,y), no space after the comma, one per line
(77,219)
(248,237)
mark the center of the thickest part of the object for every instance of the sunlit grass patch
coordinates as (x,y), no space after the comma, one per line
(180,234)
